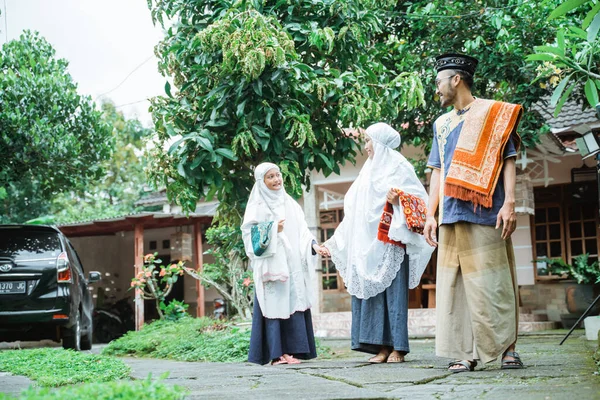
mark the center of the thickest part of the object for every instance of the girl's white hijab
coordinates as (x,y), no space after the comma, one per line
(262,196)
(367,265)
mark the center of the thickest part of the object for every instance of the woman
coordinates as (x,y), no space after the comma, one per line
(282,329)
(378,273)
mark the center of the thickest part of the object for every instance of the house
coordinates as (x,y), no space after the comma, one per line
(557,206)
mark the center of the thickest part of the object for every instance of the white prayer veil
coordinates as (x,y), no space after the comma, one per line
(367,265)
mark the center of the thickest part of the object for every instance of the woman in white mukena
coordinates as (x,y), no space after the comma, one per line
(282,254)
(379,273)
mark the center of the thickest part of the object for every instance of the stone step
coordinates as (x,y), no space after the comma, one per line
(538,326)
(421,322)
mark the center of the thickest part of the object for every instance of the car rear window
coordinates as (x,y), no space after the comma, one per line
(23,244)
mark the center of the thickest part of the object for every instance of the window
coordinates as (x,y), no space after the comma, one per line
(582,235)
(548,237)
(329,220)
(565,224)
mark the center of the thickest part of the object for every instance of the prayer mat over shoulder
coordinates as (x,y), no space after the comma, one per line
(415,212)
(478,157)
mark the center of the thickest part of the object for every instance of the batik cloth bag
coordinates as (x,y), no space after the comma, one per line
(261,237)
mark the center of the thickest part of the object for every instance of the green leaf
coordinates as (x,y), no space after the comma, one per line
(590,16)
(211,193)
(592,30)
(563,99)
(560,40)
(204,143)
(591,92)
(226,153)
(566,7)
(240,109)
(327,161)
(168,89)
(541,57)
(550,49)
(558,91)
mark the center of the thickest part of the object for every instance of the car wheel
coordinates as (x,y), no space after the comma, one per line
(71,337)
(86,340)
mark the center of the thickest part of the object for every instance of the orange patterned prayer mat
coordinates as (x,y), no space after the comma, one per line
(415,212)
(478,158)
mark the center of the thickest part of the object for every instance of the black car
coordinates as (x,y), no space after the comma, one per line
(43,290)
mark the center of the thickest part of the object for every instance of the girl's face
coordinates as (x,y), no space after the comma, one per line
(273,179)
(369,146)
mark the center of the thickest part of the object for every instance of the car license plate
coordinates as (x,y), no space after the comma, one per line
(12,287)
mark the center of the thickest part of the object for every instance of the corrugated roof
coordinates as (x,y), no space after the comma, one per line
(570,116)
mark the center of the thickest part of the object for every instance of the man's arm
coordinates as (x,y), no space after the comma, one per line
(507,214)
(434,200)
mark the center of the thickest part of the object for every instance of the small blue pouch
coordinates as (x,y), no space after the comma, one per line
(261,237)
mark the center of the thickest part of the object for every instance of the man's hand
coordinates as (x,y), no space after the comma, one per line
(508,218)
(280,225)
(392,197)
(429,231)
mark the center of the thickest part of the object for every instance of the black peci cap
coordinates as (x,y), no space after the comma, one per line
(456,61)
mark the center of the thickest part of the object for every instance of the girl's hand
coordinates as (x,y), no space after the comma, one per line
(280,225)
(322,250)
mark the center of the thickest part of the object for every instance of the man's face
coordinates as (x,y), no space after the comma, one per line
(445,83)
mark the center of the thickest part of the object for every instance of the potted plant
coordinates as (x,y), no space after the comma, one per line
(581,279)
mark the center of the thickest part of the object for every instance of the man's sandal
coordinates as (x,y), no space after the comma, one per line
(464,364)
(512,364)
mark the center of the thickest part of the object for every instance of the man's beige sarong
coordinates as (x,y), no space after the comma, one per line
(476,293)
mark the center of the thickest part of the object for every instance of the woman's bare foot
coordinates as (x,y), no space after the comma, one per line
(382,357)
(396,357)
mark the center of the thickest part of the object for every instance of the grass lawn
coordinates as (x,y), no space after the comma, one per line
(189,339)
(123,390)
(57,367)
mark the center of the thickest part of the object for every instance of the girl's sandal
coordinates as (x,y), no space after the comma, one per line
(280,361)
(290,359)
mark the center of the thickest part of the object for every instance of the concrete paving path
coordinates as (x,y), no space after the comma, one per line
(553,372)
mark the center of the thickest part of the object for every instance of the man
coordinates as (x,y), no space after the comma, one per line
(473,183)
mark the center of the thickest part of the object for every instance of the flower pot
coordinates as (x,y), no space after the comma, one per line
(579,298)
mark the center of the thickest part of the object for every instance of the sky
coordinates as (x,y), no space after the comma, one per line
(106,42)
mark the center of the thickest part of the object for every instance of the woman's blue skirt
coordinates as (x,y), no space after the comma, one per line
(382,320)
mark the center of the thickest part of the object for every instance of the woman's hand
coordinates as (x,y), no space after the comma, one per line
(393,198)
(280,225)
(321,250)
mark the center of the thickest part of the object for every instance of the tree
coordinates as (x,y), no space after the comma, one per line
(51,138)
(268,80)
(500,34)
(570,64)
(123,179)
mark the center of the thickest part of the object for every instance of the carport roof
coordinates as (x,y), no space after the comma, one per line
(148,220)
